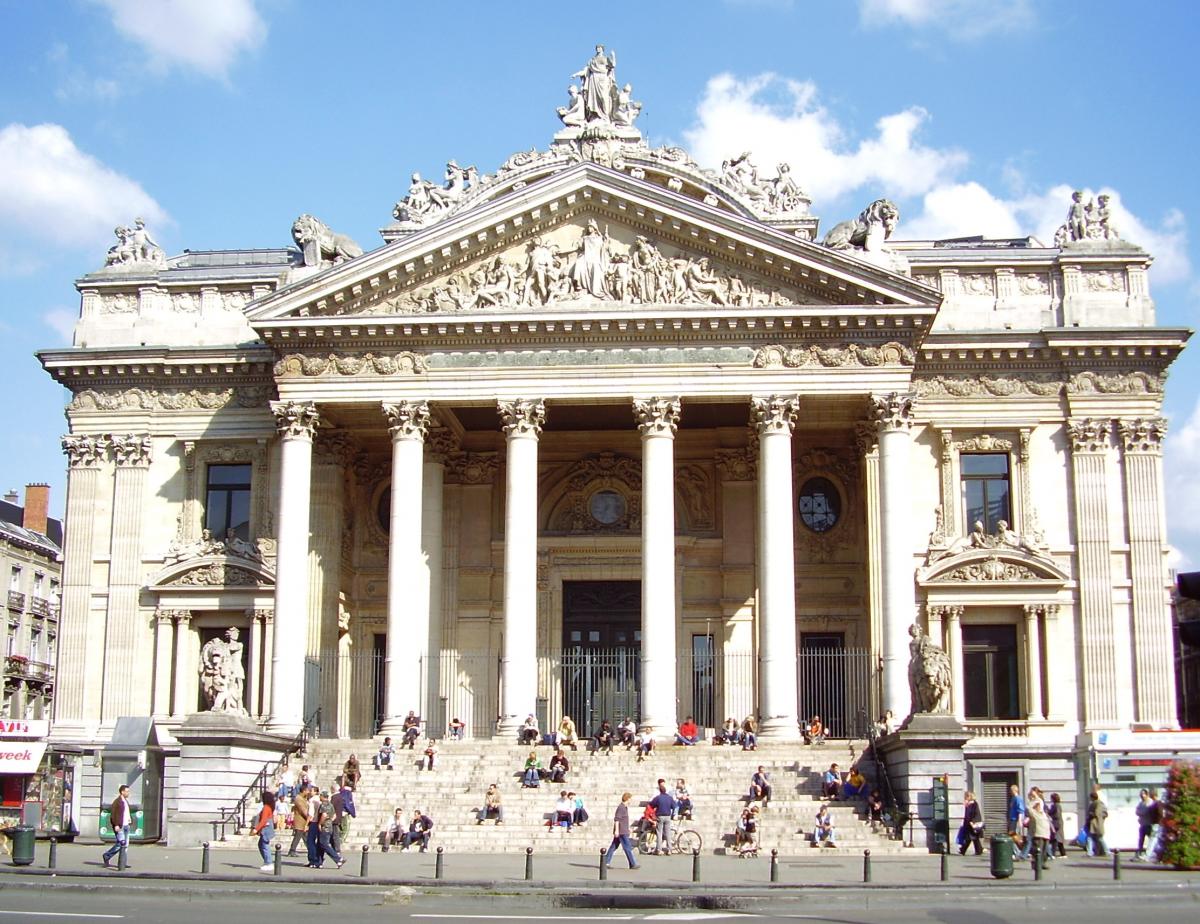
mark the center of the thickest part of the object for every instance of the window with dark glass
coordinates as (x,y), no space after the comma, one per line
(990,680)
(820,504)
(228,501)
(985,487)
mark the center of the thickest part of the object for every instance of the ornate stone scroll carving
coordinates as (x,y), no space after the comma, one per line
(174,399)
(218,574)
(295,418)
(1089,434)
(929,674)
(407,420)
(361,364)
(738,464)
(522,416)
(984,443)
(866,236)
(84,451)
(442,442)
(1143,434)
(891,412)
(471,468)
(320,245)
(991,568)
(131,449)
(605,473)
(222,676)
(1116,383)
(774,413)
(1038,384)
(852,354)
(1090,221)
(135,249)
(656,415)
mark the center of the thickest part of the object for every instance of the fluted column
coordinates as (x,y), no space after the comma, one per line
(954,651)
(254,680)
(893,417)
(408,581)
(522,422)
(1154,661)
(1098,674)
(439,444)
(1033,663)
(774,418)
(121,669)
(297,422)
(164,639)
(181,703)
(72,703)
(657,420)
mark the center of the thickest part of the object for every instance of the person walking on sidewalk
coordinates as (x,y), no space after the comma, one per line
(264,827)
(1039,828)
(1016,821)
(972,825)
(325,822)
(1055,814)
(120,818)
(1097,812)
(299,819)
(621,834)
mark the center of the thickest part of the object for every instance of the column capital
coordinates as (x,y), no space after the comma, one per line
(1032,610)
(522,417)
(407,420)
(774,413)
(1089,434)
(264,616)
(164,617)
(84,451)
(656,416)
(891,412)
(1052,610)
(295,419)
(1143,434)
(131,450)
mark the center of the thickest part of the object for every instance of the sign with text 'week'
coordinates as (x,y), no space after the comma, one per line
(21,756)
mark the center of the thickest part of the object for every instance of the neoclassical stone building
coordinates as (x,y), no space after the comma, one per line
(606,432)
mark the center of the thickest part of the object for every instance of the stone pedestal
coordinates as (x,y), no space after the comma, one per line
(219,757)
(927,747)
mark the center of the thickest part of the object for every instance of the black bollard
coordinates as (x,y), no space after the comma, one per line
(603,865)
(1117,865)
(866,865)
(945,863)
(437,864)
(774,865)
(123,859)
(528,863)
(53,852)
(203,860)
(1037,867)
(362,870)
(696,865)
(278,858)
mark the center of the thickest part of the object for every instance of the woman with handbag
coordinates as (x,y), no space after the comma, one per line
(972,825)
(264,827)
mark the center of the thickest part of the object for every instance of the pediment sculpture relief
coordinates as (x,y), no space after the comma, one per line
(942,546)
(232,546)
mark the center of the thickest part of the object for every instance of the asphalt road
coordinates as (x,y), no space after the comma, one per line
(59,906)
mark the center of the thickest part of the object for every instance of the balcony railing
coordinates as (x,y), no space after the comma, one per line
(997,729)
(16,601)
(39,606)
(36,671)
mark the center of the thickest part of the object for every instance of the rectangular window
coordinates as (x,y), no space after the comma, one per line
(991,686)
(14,580)
(228,501)
(985,488)
(704,681)
(39,581)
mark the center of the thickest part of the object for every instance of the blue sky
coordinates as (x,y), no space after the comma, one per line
(220,122)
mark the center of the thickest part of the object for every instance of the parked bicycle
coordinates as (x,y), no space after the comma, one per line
(683,840)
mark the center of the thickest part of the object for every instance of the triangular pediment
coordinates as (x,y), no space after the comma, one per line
(590,239)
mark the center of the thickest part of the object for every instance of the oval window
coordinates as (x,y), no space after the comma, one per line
(607,507)
(820,504)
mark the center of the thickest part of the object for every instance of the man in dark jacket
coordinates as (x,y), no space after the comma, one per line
(120,818)
(664,806)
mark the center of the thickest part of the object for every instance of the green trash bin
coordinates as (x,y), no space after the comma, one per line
(1002,856)
(22,837)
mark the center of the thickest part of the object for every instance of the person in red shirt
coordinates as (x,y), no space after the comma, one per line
(688,733)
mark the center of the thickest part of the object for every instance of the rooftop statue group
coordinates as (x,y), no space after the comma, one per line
(222,676)
(232,545)
(1090,221)
(427,202)
(134,247)
(599,101)
(942,547)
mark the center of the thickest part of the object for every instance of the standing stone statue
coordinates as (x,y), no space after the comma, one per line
(599,86)
(928,674)
(222,677)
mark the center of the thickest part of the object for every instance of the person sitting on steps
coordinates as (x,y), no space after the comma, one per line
(745,835)
(831,782)
(387,752)
(531,778)
(431,750)
(564,811)
(580,815)
(749,734)
(760,786)
(856,785)
(412,730)
(683,800)
(627,731)
(644,741)
(814,732)
(688,733)
(491,806)
(455,728)
(529,733)
(875,808)
(559,766)
(420,829)
(395,831)
(605,737)
(729,734)
(823,832)
(566,736)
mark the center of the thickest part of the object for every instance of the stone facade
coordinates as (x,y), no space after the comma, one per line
(637,371)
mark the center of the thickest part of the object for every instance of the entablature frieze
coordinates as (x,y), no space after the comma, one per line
(162,379)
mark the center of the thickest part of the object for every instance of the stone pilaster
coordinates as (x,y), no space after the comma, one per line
(522,423)
(1033,663)
(164,643)
(72,704)
(408,579)
(774,418)
(892,415)
(1153,668)
(954,650)
(121,629)
(181,702)
(657,420)
(297,423)
(1089,467)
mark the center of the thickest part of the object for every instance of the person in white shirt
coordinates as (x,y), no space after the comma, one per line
(395,831)
(387,753)
(823,832)
(564,810)
(627,731)
(529,733)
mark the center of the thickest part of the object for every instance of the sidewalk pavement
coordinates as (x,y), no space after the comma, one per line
(571,874)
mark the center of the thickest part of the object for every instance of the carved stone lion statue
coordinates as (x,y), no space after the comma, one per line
(320,244)
(873,226)
(928,674)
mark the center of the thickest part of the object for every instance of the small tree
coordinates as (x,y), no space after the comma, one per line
(1181,816)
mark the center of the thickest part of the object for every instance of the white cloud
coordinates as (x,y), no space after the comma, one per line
(53,193)
(200,35)
(62,320)
(959,19)
(1181,459)
(780,119)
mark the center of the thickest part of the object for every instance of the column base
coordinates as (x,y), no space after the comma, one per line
(509,725)
(284,727)
(780,728)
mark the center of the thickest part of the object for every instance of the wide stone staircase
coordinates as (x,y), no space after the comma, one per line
(718,778)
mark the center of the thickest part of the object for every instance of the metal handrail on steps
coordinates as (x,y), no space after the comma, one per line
(893,810)
(236,814)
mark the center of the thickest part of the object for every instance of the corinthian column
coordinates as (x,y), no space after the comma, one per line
(1033,663)
(774,417)
(297,422)
(522,422)
(657,420)
(892,415)
(408,579)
